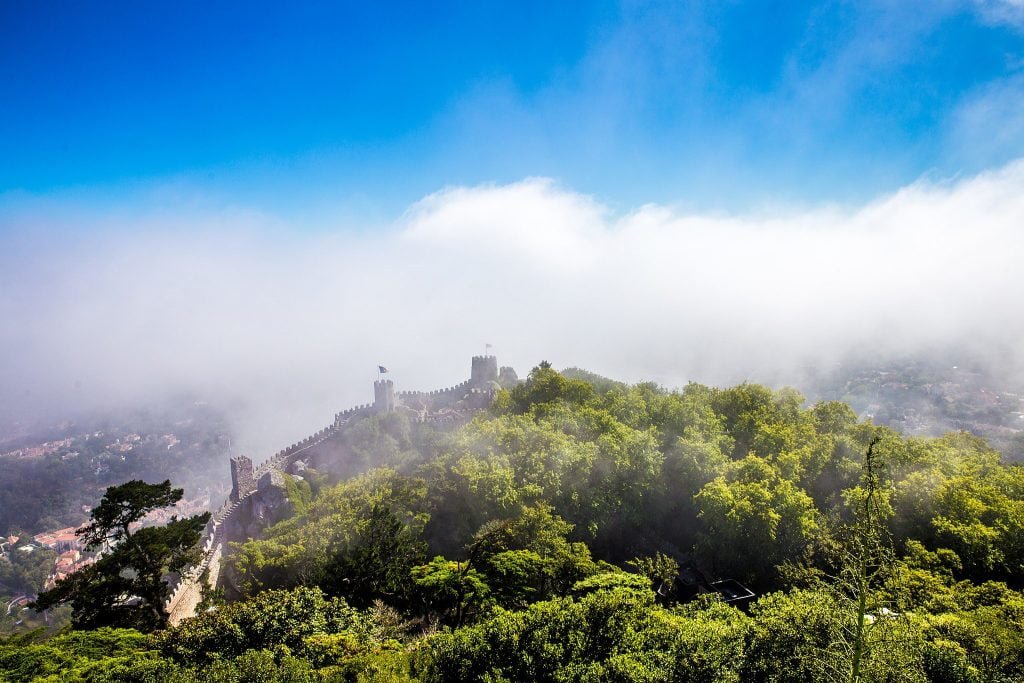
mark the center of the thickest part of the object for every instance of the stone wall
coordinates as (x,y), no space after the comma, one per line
(484,370)
(241,476)
(259,496)
(384,396)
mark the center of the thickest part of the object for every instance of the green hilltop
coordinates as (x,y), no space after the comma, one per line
(582,529)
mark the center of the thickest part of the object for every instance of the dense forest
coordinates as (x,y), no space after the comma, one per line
(586,530)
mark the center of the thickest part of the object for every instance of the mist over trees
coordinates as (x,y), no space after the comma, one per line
(771,253)
(576,531)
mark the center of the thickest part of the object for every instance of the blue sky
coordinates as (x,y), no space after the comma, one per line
(367,107)
(669,191)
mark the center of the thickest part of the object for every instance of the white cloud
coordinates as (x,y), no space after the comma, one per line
(1001,11)
(530,220)
(987,127)
(235,303)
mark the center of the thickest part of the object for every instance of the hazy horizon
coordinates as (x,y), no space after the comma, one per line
(259,206)
(241,310)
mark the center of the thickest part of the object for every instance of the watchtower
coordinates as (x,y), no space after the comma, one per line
(241,477)
(383,396)
(485,369)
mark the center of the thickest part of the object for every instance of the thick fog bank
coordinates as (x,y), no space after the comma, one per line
(102,308)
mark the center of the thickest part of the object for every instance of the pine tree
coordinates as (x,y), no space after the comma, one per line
(126,587)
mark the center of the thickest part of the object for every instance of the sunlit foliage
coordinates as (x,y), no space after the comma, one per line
(573,531)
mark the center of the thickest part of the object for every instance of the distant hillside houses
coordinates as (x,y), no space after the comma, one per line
(40,450)
(61,540)
(67,563)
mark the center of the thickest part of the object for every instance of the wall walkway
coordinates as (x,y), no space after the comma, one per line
(187,590)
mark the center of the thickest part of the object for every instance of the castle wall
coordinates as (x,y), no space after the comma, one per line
(250,503)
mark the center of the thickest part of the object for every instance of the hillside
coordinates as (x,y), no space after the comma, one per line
(928,397)
(580,529)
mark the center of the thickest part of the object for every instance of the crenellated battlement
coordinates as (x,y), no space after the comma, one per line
(449,406)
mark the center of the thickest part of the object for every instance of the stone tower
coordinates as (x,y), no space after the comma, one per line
(241,477)
(383,396)
(485,370)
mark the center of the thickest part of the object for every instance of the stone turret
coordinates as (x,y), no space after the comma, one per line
(485,370)
(384,396)
(241,477)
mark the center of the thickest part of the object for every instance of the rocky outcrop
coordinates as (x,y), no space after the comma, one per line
(268,505)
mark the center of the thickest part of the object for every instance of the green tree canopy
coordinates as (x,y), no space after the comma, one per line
(126,587)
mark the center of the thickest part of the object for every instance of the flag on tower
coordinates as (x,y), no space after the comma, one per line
(381,369)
